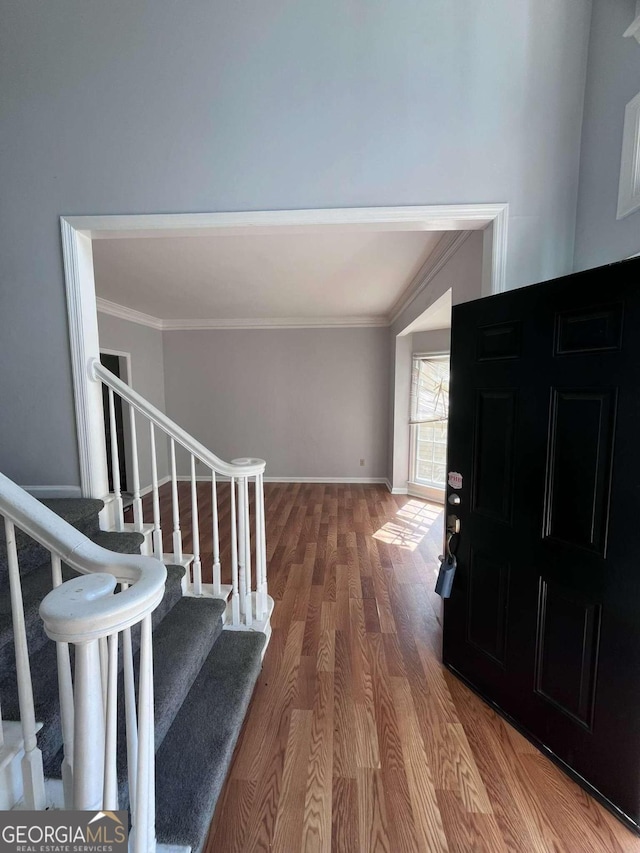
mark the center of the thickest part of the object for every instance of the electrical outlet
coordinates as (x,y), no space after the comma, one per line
(361,463)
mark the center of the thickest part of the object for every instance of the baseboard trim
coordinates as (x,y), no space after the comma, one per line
(163,481)
(338,480)
(206,478)
(45,492)
(397,490)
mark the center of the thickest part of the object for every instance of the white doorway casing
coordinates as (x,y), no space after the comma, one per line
(78,232)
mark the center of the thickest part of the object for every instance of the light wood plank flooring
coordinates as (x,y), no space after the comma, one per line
(357,739)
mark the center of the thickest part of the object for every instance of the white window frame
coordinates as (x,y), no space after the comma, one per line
(415,488)
(629,188)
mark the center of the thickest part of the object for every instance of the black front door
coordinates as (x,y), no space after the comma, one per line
(544,427)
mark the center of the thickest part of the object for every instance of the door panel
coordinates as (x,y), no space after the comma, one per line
(579,466)
(493,448)
(544,422)
(488,602)
(567,651)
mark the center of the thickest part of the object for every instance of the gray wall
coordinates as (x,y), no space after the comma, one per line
(613,79)
(147,375)
(462,274)
(125,107)
(434,341)
(311,402)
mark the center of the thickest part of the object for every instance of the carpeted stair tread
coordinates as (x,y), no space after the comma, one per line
(181,643)
(37,582)
(172,594)
(45,678)
(194,758)
(122,543)
(81,513)
(35,586)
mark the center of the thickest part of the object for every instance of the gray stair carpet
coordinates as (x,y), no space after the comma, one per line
(203,681)
(181,644)
(81,513)
(194,758)
(44,676)
(36,580)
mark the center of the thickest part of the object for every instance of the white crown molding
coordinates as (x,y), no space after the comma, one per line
(456,220)
(277,323)
(123,313)
(113,309)
(446,247)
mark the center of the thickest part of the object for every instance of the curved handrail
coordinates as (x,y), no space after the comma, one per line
(98,371)
(145,576)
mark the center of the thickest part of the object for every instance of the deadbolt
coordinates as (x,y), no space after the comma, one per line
(454,500)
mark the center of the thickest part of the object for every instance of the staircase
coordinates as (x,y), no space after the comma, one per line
(125,677)
(202,682)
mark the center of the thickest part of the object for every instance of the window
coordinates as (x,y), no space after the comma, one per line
(429,414)
(629,189)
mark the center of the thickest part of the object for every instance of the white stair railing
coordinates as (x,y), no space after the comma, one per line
(88,612)
(250,605)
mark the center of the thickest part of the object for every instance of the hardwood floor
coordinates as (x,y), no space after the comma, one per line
(357,739)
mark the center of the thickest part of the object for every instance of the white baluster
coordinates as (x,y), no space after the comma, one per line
(196,566)
(241,543)
(32,773)
(88,757)
(177,535)
(151,795)
(261,551)
(142,842)
(110,796)
(248,615)
(115,463)
(216,536)
(157,530)
(131,716)
(65,691)
(104,662)
(235,597)
(135,473)
(263,525)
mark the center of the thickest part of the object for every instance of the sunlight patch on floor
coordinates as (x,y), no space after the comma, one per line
(412,523)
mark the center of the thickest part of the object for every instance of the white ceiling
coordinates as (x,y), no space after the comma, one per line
(328,275)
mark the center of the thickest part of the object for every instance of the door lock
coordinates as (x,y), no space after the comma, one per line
(453,525)
(454,500)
